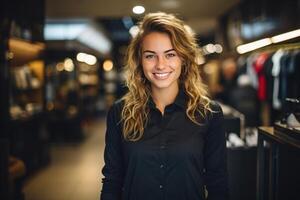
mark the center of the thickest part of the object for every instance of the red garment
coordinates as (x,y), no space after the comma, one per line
(262,83)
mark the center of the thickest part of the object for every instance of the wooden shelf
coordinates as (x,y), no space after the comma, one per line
(24,51)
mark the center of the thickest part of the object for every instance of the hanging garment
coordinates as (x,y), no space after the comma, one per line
(259,69)
(293,70)
(268,66)
(275,73)
(250,70)
(284,75)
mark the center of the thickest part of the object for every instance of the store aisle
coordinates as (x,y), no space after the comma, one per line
(74,172)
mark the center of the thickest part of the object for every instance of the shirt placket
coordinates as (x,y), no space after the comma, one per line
(163,147)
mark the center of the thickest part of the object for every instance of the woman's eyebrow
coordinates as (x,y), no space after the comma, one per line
(149,51)
(169,50)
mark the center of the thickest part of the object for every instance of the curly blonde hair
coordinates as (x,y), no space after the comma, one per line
(135,110)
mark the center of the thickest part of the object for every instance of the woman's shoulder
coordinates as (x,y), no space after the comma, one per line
(118,104)
(215,106)
(215,110)
(116,107)
(114,113)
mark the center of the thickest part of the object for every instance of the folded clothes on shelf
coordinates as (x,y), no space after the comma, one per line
(234,141)
(292,121)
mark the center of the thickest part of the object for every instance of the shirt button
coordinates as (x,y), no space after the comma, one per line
(161,166)
(160,186)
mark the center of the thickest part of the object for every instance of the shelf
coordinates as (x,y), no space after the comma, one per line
(24,51)
(29,89)
(285,130)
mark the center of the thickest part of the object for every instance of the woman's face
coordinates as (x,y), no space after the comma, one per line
(161,63)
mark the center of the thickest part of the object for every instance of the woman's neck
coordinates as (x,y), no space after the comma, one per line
(164,97)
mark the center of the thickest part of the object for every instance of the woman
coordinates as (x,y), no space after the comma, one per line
(164,138)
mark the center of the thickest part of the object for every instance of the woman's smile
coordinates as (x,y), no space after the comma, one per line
(162,75)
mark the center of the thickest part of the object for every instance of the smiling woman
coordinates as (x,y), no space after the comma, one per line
(161,64)
(165,132)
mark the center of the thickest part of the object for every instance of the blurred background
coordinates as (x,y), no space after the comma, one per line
(61,69)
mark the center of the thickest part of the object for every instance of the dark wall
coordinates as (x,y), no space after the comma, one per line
(4,77)
(255,19)
(28,17)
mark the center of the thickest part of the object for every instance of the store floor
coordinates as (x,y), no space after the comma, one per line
(75,169)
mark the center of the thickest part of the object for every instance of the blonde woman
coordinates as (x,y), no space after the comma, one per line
(164,138)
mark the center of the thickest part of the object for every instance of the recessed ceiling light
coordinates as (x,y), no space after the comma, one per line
(138,10)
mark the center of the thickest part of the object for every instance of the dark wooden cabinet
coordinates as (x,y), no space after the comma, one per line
(279,179)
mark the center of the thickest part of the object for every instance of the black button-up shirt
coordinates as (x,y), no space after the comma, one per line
(174,160)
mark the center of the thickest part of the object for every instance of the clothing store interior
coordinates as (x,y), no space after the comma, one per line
(61,65)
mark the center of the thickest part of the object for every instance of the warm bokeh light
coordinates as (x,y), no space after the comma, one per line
(108,65)
(60,67)
(68,65)
(212,48)
(218,48)
(87,58)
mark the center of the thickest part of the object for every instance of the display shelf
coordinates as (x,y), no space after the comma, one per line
(280,128)
(283,168)
(23,51)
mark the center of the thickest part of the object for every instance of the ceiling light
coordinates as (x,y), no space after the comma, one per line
(286,36)
(253,45)
(138,10)
(63,31)
(267,41)
(95,39)
(89,34)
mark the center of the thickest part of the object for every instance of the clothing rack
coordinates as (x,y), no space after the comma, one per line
(270,113)
(272,48)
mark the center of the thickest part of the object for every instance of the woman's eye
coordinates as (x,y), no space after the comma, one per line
(149,56)
(170,55)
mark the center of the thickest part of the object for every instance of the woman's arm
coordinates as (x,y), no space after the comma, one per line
(113,168)
(215,159)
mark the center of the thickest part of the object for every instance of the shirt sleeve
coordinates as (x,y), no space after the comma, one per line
(113,168)
(215,158)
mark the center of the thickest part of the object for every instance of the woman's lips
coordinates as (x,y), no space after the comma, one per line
(162,76)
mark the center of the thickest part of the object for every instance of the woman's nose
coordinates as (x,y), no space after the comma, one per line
(161,63)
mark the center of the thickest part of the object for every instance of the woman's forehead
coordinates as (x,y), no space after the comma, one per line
(157,42)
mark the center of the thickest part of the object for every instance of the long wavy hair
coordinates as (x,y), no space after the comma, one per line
(135,110)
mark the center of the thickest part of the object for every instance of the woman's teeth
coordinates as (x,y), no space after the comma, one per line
(162,75)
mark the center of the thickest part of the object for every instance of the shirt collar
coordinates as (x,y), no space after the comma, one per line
(180,100)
